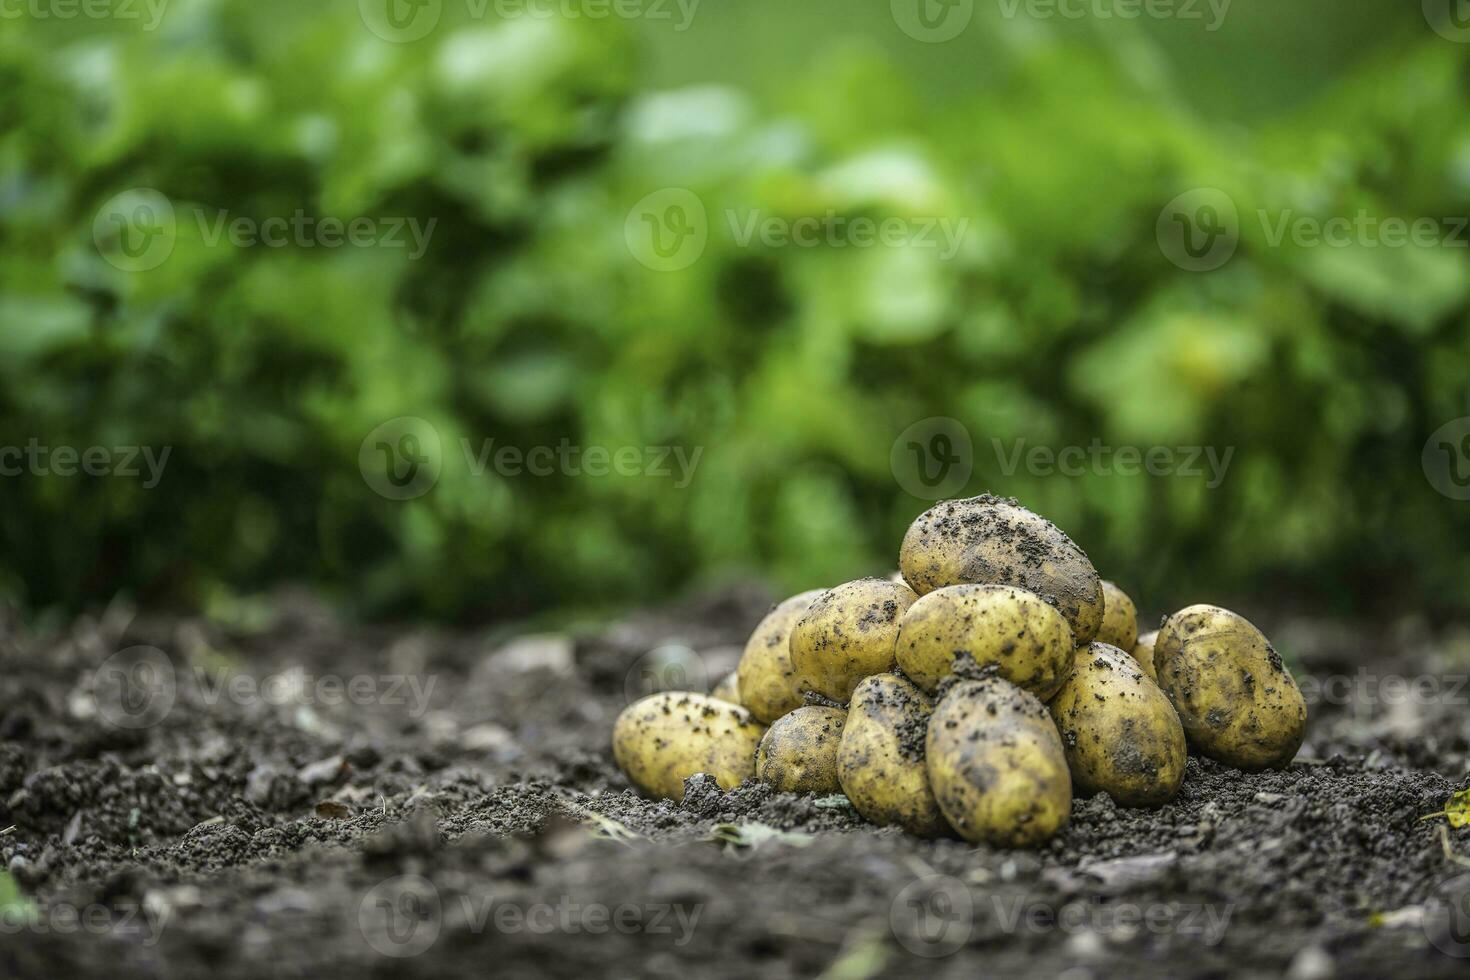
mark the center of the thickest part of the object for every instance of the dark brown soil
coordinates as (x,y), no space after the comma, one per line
(232,835)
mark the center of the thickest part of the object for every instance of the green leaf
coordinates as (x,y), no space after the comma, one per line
(1456,810)
(14,905)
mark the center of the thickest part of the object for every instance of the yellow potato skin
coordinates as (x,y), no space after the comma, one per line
(1120,618)
(765,678)
(848,633)
(663,739)
(1235,698)
(997,765)
(880,763)
(1027,640)
(1119,730)
(988,540)
(799,752)
(728,689)
(1143,652)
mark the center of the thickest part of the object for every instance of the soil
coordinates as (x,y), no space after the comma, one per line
(451,808)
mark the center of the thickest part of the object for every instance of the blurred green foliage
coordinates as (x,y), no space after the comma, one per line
(528,320)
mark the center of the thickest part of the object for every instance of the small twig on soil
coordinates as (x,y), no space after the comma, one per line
(7,830)
(1449,852)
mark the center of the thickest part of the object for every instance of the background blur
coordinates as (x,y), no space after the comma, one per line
(1099,236)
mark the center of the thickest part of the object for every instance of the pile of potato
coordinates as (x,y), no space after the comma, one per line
(973,691)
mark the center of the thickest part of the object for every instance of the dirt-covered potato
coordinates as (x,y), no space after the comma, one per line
(663,739)
(1120,618)
(848,633)
(1120,732)
(799,751)
(728,689)
(880,764)
(997,766)
(988,540)
(1143,652)
(1024,637)
(1236,699)
(765,677)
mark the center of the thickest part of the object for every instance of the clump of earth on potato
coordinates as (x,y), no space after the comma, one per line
(663,739)
(996,764)
(798,753)
(1028,641)
(1119,730)
(1235,698)
(848,633)
(989,540)
(880,763)
(1120,618)
(765,678)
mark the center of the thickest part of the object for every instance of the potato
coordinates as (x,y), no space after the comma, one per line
(1120,732)
(848,633)
(990,541)
(799,752)
(663,739)
(1143,652)
(728,689)
(765,677)
(1120,619)
(880,763)
(1236,699)
(997,766)
(1028,641)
